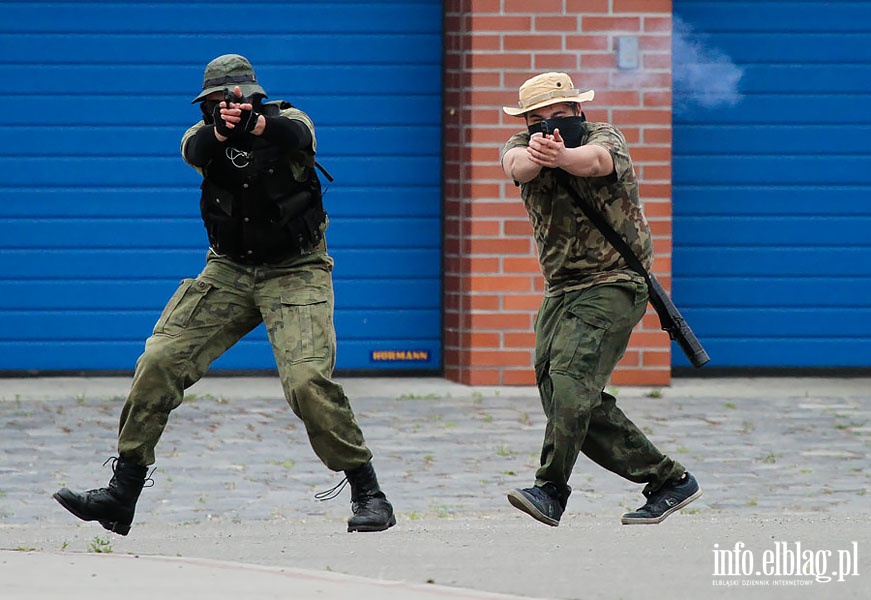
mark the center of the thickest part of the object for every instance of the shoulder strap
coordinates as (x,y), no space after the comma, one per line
(324,171)
(669,316)
(614,238)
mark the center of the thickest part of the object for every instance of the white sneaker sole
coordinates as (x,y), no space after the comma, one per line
(642,521)
(520,502)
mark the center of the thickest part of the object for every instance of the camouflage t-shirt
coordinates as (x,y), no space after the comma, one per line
(573,254)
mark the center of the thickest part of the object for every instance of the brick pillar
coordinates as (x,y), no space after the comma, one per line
(493,285)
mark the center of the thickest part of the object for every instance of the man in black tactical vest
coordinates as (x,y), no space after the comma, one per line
(267,262)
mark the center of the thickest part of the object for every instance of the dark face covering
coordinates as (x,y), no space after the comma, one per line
(570,128)
(208,108)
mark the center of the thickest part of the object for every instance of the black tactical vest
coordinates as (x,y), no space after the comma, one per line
(254,209)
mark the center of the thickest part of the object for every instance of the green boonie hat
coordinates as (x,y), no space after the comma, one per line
(226,72)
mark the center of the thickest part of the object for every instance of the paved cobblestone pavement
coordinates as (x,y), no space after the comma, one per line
(235,459)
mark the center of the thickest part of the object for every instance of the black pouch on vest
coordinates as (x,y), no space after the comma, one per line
(216,196)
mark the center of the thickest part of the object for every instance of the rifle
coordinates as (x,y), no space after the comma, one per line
(670,319)
(674,324)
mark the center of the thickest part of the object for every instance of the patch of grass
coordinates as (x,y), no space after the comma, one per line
(504,450)
(730,405)
(24,549)
(769,458)
(287,464)
(411,396)
(100,546)
(654,394)
(752,502)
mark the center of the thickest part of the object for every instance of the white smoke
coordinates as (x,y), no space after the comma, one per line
(701,75)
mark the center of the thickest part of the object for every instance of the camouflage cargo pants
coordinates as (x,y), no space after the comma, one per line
(209,314)
(580,337)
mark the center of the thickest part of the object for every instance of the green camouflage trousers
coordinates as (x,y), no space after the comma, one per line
(580,336)
(209,314)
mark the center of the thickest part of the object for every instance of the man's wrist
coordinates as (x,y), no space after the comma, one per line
(260,127)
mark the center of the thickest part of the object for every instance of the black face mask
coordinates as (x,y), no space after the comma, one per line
(571,129)
(208,108)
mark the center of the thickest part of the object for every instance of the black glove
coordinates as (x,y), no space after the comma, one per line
(221,124)
(248,122)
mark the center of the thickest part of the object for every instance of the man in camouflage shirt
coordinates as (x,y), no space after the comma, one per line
(593,299)
(267,263)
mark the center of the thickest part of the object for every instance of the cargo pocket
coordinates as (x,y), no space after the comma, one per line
(181,309)
(308,330)
(577,346)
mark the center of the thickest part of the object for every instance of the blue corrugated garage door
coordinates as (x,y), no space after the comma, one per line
(772,219)
(99,218)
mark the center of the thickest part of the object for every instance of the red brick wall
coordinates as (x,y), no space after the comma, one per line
(492,281)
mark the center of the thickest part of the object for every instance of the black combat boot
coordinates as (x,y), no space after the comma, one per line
(112,506)
(372,510)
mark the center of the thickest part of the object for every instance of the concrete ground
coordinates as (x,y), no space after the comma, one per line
(783,464)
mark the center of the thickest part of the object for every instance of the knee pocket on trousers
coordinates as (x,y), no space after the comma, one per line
(308,327)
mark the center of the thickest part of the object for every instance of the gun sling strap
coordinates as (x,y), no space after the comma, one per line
(672,322)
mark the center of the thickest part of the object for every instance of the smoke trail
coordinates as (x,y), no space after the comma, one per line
(701,75)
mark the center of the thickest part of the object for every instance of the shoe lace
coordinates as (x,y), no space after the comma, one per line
(149,482)
(332,492)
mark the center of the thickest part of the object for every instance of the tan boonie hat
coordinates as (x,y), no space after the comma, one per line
(544,90)
(226,72)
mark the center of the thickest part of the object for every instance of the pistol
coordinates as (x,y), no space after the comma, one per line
(545,129)
(229,97)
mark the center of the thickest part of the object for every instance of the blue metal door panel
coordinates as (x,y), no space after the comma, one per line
(100,218)
(772,224)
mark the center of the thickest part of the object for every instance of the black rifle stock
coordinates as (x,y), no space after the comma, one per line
(674,324)
(670,319)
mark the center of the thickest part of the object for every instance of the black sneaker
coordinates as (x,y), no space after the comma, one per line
(539,503)
(664,501)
